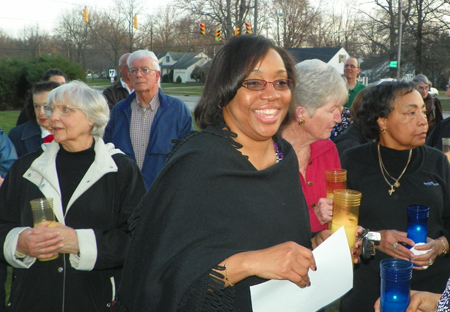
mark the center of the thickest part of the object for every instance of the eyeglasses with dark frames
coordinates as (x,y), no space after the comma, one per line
(62,110)
(144,71)
(259,84)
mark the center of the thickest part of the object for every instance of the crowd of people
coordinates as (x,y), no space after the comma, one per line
(154,216)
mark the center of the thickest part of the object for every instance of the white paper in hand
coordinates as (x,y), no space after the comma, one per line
(333,278)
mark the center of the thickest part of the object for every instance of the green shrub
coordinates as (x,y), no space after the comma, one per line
(19,75)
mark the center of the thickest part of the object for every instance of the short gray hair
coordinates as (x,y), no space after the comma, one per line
(318,84)
(140,54)
(89,101)
(422,78)
(122,57)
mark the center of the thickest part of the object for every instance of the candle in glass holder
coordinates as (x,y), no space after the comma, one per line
(345,213)
(417,223)
(42,210)
(395,284)
(336,179)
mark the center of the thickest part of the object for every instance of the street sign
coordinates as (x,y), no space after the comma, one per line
(112,73)
(393,64)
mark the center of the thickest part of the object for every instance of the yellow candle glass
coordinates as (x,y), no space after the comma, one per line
(346,213)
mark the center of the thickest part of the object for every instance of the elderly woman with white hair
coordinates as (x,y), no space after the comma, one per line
(320,94)
(432,103)
(94,189)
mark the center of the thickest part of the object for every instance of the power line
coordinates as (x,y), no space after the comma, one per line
(26,19)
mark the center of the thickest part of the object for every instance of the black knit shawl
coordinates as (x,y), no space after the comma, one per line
(207,204)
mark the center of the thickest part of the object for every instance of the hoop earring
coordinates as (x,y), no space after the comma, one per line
(301,122)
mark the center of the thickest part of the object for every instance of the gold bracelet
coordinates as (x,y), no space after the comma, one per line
(445,251)
(226,273)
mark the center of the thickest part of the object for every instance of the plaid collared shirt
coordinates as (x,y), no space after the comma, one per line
(141,125)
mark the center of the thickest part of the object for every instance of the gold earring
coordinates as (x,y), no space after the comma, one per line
(301,122)
(383,131)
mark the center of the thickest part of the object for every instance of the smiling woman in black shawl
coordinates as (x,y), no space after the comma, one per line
(227,211)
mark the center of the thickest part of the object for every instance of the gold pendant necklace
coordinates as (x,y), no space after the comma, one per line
(383,169)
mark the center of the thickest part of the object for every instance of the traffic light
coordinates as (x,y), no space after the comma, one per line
(135,22)
(218,34)
(237,31)
(202,28)
(85,15)
(249,28)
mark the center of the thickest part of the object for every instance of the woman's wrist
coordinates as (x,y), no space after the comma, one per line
(444,246)
(234,269)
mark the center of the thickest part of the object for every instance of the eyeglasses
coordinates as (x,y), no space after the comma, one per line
(62,110)
(258,84)
(350,66)
(426,88)
(144,71)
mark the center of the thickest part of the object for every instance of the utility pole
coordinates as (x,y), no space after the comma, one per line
(255,22)
(278,27)
(399,55)
(151,37)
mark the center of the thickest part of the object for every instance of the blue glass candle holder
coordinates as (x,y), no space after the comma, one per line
(395,284)
(418,223)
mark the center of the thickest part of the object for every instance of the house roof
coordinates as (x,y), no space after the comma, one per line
(374,62)
(323,54)
(182,60)
(186,63)
(176,55)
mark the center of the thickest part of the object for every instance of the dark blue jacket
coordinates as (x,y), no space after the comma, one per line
(172,121)
(8,154)
(26,137)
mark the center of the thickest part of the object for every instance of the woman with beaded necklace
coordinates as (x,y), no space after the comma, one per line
(395,171)
(227,211)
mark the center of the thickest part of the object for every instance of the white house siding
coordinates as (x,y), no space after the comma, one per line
(339,64)
(181,73)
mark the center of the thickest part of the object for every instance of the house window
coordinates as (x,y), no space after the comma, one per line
(342,58)
(168,59)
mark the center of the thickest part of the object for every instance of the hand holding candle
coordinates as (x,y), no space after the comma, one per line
(42,209)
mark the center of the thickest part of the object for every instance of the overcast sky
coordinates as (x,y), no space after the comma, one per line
(16,14)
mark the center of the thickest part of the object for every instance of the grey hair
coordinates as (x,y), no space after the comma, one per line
(318,84)
(90,102)
(141,54)
(422,78)
(124,56)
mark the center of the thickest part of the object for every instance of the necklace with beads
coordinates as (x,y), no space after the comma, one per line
(279,155)
(383,170)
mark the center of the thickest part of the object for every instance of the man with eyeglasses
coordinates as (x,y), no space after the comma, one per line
(120,90)
(144,125)
(351,72)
